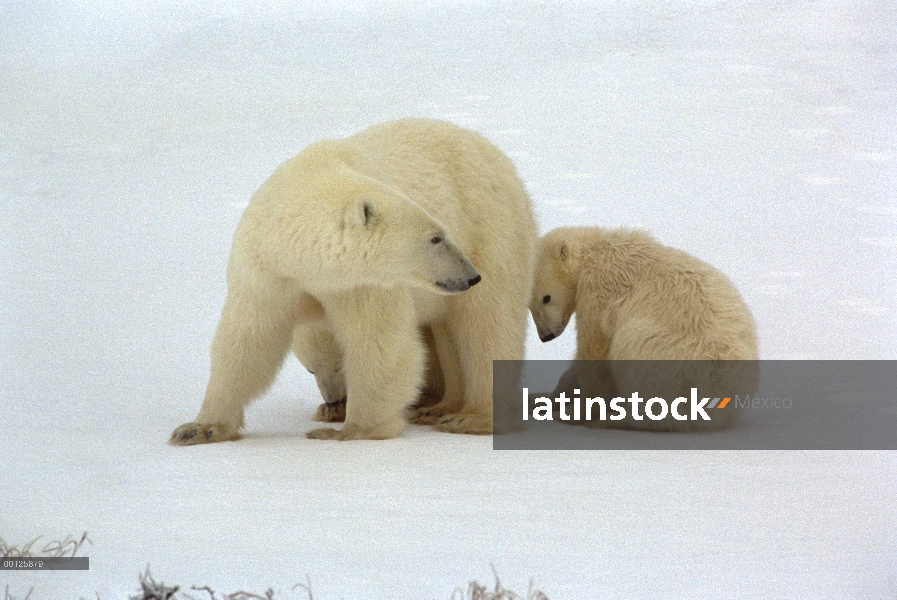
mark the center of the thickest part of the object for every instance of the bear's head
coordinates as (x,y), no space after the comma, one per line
(339,228)
(554,288)
(394,238)
(319,352)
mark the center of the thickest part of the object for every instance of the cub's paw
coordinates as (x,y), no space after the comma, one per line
(189,434)
(331,412)
(465,422)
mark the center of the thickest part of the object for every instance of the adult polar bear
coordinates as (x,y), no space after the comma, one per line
(385,231)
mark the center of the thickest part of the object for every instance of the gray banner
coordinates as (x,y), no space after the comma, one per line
(43,563)
(678,405)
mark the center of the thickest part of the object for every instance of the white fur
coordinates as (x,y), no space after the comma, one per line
(383,232)
(636,299)
(317,349)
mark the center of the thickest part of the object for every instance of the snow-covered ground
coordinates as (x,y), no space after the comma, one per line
(760,136)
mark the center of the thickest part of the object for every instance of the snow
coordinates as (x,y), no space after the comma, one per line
(760,136)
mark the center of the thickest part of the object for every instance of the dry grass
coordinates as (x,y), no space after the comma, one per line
(8,596)
(152,590)
(67,547)
(478,591)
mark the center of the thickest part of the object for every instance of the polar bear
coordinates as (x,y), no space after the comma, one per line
(637,300)
(408,223)
(315,346)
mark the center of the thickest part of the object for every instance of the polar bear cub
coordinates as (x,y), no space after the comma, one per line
(407,223)
(638,300)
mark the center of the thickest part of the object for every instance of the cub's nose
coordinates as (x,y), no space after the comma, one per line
(548,337)
(474,281)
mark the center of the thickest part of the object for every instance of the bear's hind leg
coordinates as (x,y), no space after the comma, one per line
(383,360)
(448,361)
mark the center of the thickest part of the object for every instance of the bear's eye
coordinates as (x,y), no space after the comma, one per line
(338,368)
(436,240)
(546,299)
(310,372)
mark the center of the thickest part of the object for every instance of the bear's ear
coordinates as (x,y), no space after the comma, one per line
(561,252)
(363,212)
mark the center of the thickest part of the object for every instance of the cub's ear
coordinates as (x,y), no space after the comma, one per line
(561,252)
(363,212)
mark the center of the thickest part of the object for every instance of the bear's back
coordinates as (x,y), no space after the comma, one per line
(666,304)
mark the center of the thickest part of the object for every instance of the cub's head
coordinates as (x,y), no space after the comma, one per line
(319,352)
(554,287)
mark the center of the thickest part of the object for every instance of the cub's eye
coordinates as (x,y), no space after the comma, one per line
(436,240)
(546,299)
(310,372)
(338,368)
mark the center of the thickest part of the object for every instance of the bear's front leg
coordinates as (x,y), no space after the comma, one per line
(250,344)
(490,325)
(383,360)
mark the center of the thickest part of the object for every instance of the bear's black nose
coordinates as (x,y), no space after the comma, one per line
(548,337)
(474,281)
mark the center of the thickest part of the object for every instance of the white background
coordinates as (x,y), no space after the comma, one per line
(759,136)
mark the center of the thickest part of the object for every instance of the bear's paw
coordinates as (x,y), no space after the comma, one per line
(474,423)
(330,413)
(189,434)
(354,432)
(425,415)
(325,433)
